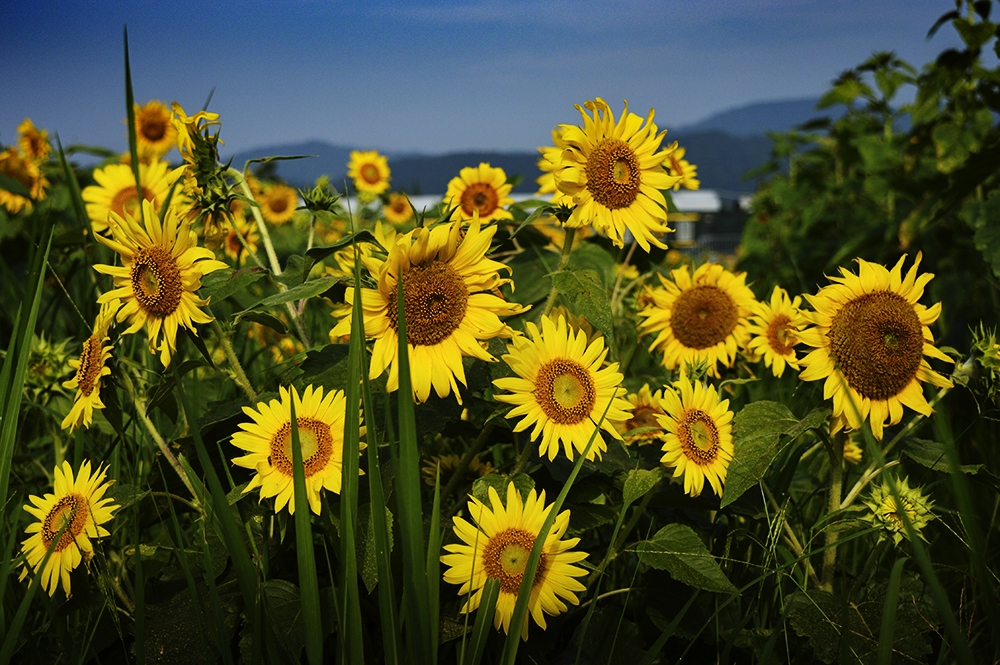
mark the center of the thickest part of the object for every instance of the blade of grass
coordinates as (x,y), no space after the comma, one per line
(16,363)
(306,557)
(391,630)
(484,622)
(352,642)
(75,193)
(133,144)
(419,632)
(434,562)
(885,636)
(655,650)
(528,579)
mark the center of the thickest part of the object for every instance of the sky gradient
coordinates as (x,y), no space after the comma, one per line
(432,77)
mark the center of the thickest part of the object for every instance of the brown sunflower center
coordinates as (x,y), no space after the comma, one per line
(506,556)
(399,206)
(778,336)
(156,281)
(877,342)
(315,442)
(278,204)
(703,316)
(71,509)
(699,436)
(613,174)
(565,391)
(435,298)
(370,174)
(153,128)
(90,365)
(126,200)
(480,196)
(643,416)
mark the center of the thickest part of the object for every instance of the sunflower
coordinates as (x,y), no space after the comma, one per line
(699,318)
(852,452)
(277,203)
(450,307)
(268,441)
(26,171)
(185,127)
(870,338)
(116,192)
(498,547)
(646,405)
(90,367)
(33,143)
(484,189)
(561,388)
(231,244)
(682,169)
(370,172)
(162,267)
(155,135)
(614,173)
(699,435)
(775,329)
(887,510)
(448,465)
(398,210)
(80,506)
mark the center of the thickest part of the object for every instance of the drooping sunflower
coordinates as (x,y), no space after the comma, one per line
(887,511)
(699,435)
(547,164)
(185,127)
(370,172)
(484,189)
(155,135)
(450,306)
(682,169)
(33,142)
(16,166)
(614,173)
(277,203)
(398,210)
(90,368)
(699,318)
(80,506)
(774,330)
(646,405)
(268,443)
(498,547)
(562,390)
(870,337)
(233,247)
(116,192)
(161,269)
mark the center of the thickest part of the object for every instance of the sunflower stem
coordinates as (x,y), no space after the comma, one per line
(836,450)
(466,460)
(615,298)
(522,460)
(868,476)
(265,236)
(563,261)
(140,408)
(790,536)
(624,534)
(238,374)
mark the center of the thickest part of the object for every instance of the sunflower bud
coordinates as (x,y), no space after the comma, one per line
(889,513)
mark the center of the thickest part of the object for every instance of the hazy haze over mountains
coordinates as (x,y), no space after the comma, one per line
(724,146)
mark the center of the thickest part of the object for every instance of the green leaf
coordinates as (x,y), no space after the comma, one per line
(531,277)
(125,495)
(677,549)
(639,482)
(265,319)
(593,257)
(313,287)
(481,486)
(221,284)
(932,455)
(757,431)
(585,295)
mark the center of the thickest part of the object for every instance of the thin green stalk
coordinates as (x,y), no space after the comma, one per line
(466,460)
(522,459)
(140,408)
(563,261)
(833,504)
(305,556)
(239,376)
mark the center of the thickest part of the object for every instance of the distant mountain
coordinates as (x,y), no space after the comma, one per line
(724,147)
(755,119)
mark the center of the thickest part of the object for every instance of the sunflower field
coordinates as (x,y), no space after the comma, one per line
(244,423)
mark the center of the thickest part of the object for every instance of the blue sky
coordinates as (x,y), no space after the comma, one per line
(437,76)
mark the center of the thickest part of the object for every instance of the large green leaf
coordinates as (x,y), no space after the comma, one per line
(221,284)
(757,432)
(585,295)
(313,287)
(677,549)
